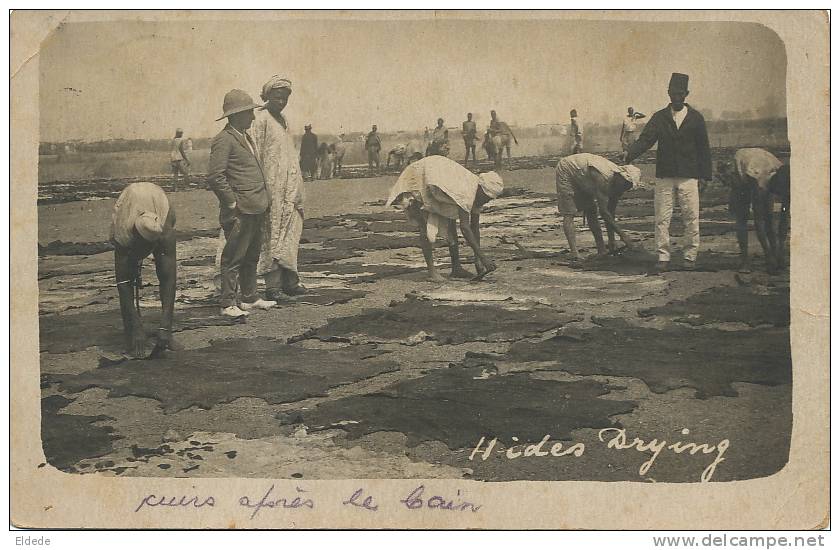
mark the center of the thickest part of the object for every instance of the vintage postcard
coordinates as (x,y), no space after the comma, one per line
(470,270)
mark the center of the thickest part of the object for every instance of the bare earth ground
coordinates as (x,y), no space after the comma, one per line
(380,374)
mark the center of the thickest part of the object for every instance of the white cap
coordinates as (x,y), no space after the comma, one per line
(149,226)
(631,173)
(491,183)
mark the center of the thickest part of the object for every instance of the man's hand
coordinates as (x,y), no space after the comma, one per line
(230,213)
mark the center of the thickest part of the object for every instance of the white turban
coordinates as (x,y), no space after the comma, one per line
(491,183)
(149,226)
(275,81)
(631,173)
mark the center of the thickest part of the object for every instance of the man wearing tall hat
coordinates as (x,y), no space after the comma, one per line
(682,159)
(236,176)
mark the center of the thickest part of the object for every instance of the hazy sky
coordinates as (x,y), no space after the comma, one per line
(142,79)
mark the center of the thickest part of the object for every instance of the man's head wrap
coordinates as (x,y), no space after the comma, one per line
(631,173)
(149,226)
(491,184)
(275,81)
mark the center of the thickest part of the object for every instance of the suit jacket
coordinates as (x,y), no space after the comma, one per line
(681,152)
(236,174)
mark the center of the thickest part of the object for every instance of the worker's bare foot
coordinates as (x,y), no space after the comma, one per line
(435,277)
(460,273)
(482,271)
(485,269)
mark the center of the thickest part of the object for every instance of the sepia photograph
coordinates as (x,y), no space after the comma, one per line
(451,249)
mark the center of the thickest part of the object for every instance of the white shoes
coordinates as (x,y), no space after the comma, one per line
(233,311)
(259,304)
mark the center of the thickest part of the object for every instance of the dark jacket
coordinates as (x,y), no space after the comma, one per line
(235,174)
(308,145)
(681,153)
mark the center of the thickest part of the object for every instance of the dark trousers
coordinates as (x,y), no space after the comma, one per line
(307,166)
(244,236)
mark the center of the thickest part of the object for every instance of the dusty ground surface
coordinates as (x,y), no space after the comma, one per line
(380,374)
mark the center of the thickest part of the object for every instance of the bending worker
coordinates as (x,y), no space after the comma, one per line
(589,183)
(143,223)
(754,180)
(435,192)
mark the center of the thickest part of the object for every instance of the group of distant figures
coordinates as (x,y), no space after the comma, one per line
(496,141)
(320,160)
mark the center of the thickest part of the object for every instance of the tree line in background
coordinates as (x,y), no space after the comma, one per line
(730,122)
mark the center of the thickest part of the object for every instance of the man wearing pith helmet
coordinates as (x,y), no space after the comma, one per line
(236,176)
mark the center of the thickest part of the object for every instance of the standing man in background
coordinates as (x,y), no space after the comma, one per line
(575,133)
(373,145)
(440,140)
(628,128)
(468,131)
(683,159)
(236,176)
(308,152)
(179,158)
(339,148)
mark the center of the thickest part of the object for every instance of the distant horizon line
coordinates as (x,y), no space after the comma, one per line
(389,132)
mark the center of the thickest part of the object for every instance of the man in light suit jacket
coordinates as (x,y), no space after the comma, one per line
(236,176)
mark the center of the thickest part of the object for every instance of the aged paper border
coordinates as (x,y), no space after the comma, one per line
(795,498)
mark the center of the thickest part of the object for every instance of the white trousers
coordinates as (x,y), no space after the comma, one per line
(688,197)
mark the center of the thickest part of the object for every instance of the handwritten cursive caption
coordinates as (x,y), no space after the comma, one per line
(615,438)
(419,498)
(425,498)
